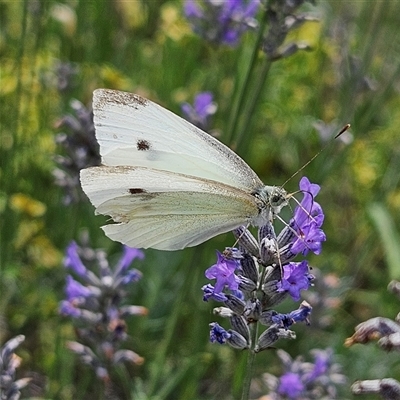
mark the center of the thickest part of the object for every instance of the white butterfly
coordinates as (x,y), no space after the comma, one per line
(166,183)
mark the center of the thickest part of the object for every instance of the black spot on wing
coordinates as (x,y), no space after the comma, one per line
(143,145)
(136,191)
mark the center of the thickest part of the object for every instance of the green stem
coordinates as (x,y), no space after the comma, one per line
(251,354)
(241,137)
(158,366)
(18,73)
(250,363)
(240,98)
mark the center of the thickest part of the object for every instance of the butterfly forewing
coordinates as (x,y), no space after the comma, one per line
(134,131)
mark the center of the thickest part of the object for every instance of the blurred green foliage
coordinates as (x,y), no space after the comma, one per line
(351,75)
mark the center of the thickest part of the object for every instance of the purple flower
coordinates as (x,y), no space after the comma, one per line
(291,385)
(310,239)
(222,21)
(224,274)
(75,289)
(218,333)
(299,315)
(132,275)
(321,366)
(209,293)
(128,256)
(308,207)
(305,380)
(307,221)
(302,313)
(203,108)
(303,233)
(98,304)
(9,362)
(73,261)
(66,308)
(295,278)
(79,150)
(192,10)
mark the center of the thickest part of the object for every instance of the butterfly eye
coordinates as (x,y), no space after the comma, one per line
(278,198)
(275,199)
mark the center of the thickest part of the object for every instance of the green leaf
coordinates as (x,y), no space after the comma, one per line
(390,237)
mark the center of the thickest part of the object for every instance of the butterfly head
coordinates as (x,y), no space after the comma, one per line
(277,198)
(271,199)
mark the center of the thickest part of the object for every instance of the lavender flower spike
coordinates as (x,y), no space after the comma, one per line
(290,385)
(221,21)
(96,303)
(9,362)
(303,380)
(252,279)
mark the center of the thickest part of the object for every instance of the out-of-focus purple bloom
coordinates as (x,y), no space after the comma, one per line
(75,289)
(131,276)
(192,9)
(108,282)
(199,114)
(296,277)
(66,308)
(218,333)
(65,72)
(73,261)
(386,332)
(97,305)
(322,361)
(128,256)
(224,273)
(305,380)
(9,362)
(281,19)
(222,21)
(81,150)
(290,385)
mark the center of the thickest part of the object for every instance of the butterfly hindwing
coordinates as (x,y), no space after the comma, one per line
(164,210)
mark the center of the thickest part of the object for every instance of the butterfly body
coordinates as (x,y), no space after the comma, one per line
(167,184)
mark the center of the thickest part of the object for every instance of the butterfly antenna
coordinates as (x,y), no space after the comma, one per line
(344,129)
(291,196)
(287,225)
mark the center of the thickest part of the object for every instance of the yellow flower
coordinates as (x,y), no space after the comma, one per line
(22,203)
